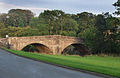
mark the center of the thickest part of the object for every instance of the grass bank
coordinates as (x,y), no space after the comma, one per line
(105,65)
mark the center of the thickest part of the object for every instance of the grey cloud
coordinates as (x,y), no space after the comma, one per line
(69,6)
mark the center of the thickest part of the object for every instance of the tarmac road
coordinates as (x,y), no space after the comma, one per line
(12,66)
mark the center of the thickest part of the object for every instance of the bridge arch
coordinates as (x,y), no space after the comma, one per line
(37,48)
(83,50)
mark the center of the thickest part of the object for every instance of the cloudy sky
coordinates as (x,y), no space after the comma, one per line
(68,6)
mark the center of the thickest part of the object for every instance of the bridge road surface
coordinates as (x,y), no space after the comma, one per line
(12,66)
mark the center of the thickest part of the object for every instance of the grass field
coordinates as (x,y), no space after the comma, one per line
(105,65)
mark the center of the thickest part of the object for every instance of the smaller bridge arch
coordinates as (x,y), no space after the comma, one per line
(37,48)
(30,43)
(79,47)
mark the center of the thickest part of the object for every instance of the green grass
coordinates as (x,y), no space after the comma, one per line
(105,65)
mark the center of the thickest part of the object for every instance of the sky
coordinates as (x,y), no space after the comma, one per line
(68,6)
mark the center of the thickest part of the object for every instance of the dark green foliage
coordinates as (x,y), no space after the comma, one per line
(3,30)
(84,20)
(17,18)
(117,5)
(58,22)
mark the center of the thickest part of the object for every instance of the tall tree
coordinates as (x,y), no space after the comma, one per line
(59,22)
(85,20)
(112,35)
(117,5)
(19,17)
(40,24)
(4,18)
(3,30)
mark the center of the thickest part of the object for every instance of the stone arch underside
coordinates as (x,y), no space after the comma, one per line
(37,48)
(39,45)
(79,46)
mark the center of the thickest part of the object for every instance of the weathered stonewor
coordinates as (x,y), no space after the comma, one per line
(3,42)
(56,43)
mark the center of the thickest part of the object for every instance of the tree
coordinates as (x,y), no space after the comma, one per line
(89,35)
(111,35)
(117,5)
(58,22)
(19,17)
(70,26)
(100,24)
(53,19)
(22,31)
(3,30)
(4,18)
(40,24)
(85,20)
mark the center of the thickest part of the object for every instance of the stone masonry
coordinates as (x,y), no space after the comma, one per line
(56,43)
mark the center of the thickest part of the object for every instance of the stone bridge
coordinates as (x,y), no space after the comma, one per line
(55,43)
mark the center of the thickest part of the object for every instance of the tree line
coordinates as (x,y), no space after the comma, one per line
(101,32)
